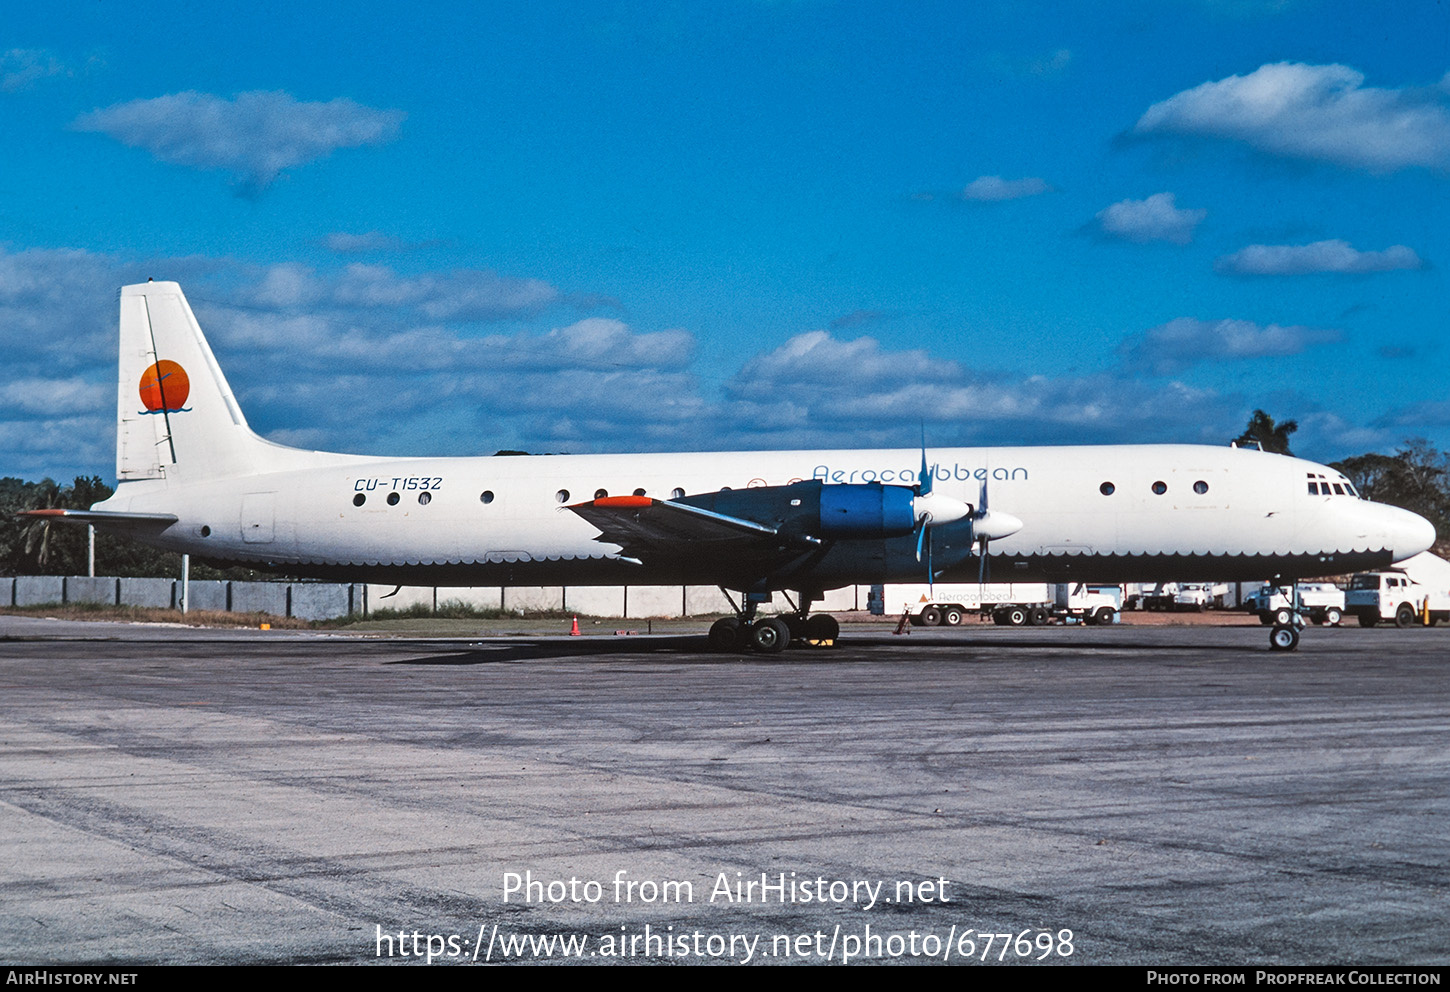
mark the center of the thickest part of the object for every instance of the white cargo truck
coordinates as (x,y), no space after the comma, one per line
(1323,602)
(1392,596)
(1013,603)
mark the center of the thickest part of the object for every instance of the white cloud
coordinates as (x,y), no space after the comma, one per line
(21,68)
(1320,112)
(1049,65)
(459,295)
(994,188)
(254,136)
(57,310)
(1158,218)
(819,390)
(1181,343)
(59,447)
(1427,413)
(343,243)
(1321,256)
(351,360)
(35,394)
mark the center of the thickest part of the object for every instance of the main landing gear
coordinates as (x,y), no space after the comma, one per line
(770,635)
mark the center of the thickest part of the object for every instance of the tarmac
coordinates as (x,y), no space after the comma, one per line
(1104,795)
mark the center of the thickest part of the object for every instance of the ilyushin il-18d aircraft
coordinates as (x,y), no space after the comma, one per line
(194,478)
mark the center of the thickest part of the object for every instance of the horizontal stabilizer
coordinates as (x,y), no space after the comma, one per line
(99,517)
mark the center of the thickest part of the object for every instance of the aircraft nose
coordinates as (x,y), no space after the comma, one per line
(1406,534)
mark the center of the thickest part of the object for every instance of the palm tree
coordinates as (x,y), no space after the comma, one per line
(36,534)
(1268,435)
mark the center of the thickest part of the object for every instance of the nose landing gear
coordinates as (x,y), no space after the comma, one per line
(1288,622)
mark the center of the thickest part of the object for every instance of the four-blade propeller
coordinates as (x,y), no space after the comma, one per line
(933,508)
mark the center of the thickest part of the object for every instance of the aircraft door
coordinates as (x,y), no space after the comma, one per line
(259,516)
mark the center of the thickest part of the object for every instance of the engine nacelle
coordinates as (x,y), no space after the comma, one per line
(850,511)
(866,510)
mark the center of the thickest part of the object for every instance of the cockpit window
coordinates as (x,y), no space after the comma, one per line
(1320,486)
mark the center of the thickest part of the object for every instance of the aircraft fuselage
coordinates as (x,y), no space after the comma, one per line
(1104,514)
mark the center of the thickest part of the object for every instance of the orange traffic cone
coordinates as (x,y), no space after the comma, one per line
(575,632)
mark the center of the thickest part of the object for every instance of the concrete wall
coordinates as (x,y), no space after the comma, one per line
(259,597)
(206,594)
(654,601)
(87,589)
(33,590)
(157,593)
(530,598)
(324,600)
(706,599)
(601,601)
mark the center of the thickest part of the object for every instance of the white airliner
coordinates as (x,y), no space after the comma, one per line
(194,478)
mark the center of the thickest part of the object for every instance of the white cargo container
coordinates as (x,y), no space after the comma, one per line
(1012,603)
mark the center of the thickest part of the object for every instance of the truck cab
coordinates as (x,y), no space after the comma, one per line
(1391,596)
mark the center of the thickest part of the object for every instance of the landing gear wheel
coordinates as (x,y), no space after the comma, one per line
(1283,638)
(1333,617)
(951,617)
(822,627)
(1405,616)
(931,616)
(769,636)
(725,635)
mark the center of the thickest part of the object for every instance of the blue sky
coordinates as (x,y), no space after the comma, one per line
(460,227)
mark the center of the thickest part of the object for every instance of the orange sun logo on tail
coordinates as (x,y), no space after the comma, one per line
(164,388)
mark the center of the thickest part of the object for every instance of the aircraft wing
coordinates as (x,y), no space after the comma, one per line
(658,531)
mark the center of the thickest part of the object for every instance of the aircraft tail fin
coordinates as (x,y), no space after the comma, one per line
(176,415)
